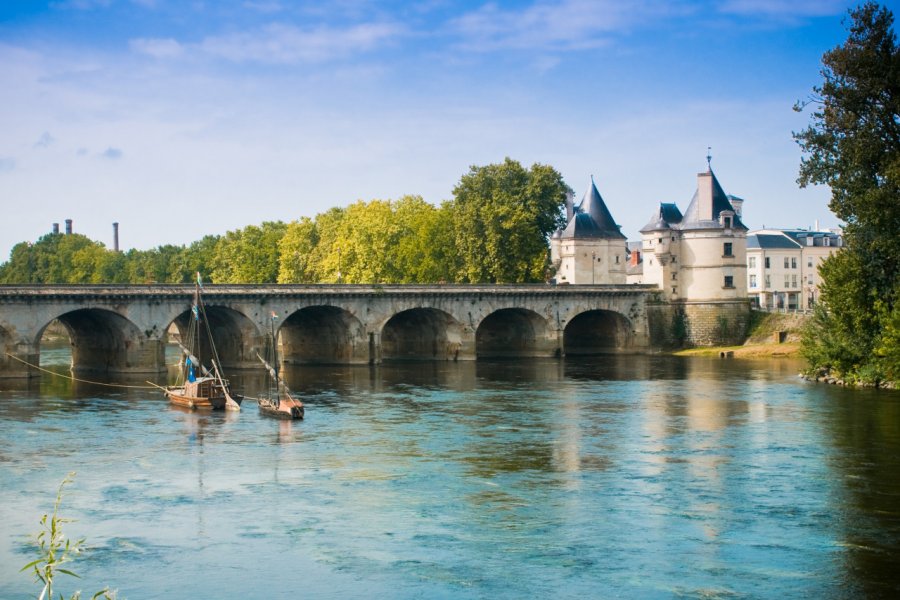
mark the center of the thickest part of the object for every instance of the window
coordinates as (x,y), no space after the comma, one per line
(787,263)
(768,282)
(809,262)
(787,281)
(753,281)
(729,281)
(751,262)
(617,259)
(793,262)
(794,280)
(827,241)
(674,276)
(727,249)
(767,262)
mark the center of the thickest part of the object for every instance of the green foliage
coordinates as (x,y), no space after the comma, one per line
(494,230)
(503,215)
(249,255)
(853,146)
(55,550)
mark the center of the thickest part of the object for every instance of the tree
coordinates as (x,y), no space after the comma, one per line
(249,255)
(295,252)
(503,215)
(853,146)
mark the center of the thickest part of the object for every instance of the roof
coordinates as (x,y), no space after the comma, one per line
(665,217)
(720,202)
(800,236)
(592,219)
(768,241)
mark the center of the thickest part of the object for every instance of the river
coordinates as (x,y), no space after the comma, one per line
(631,476)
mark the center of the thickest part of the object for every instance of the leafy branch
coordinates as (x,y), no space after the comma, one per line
(55,550)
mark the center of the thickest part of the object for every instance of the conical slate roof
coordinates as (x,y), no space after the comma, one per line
(592,219)
(694,220)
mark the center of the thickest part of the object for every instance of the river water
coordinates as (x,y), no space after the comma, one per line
(633,477)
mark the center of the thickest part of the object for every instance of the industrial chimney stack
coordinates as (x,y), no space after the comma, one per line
(68,226)
(55,228)
(115,237)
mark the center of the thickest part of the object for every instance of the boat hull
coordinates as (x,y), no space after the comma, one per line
(286,410)
(204,395)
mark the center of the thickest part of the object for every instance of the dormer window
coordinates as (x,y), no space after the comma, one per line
(827,241)
(726,219)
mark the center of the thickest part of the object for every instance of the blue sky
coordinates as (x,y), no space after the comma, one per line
(182,118)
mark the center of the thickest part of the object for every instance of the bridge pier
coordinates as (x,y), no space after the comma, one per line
(14,364)
(374,348)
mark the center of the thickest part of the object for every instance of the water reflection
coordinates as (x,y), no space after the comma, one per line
(604,476)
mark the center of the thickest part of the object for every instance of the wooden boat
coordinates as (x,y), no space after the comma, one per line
(211,390)
(277,402)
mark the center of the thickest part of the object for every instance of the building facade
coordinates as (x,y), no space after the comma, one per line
(783,266)
(699,255)
(591,248)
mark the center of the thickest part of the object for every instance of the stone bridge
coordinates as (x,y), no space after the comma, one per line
(125,328)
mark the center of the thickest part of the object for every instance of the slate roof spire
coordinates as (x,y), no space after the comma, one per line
(592,218)
(707,204)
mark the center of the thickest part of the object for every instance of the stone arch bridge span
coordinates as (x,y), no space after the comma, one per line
(125,328)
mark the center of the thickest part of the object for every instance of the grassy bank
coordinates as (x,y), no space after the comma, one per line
(771,335)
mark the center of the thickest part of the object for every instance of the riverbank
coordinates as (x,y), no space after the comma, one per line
(770,335)
(770,350)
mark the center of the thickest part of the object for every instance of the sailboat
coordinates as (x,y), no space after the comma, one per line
(201,387)
(277,402)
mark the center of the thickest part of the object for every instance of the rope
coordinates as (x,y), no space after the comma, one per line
(54,373)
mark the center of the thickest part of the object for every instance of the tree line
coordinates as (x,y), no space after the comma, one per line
(495,229)
(853,146)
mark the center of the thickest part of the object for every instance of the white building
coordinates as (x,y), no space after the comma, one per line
(591,248)
(700,255)
(783,266)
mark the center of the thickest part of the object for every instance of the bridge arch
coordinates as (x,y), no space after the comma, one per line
(597,332)
(421,334)
(323,335)
(103,341)
(512,333)
(236,338)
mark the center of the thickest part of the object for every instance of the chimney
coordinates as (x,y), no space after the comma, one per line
(115,237)
(737,204)
(56,228)
(705,196)
(68,226)
(570,206)
(635,258)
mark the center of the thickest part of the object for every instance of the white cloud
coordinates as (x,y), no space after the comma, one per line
(783,8)
(81,4)
(44,141)
(263,6)
(111,153)
(562,25)
(286,44)
(157,47)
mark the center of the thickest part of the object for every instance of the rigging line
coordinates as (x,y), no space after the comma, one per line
(119,385)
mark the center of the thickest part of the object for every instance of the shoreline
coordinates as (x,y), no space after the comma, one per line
(774,351)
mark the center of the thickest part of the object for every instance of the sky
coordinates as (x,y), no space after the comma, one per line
(183,118)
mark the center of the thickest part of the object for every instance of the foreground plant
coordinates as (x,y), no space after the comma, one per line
(55,550)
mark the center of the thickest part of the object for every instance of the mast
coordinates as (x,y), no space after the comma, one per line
(275,360)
